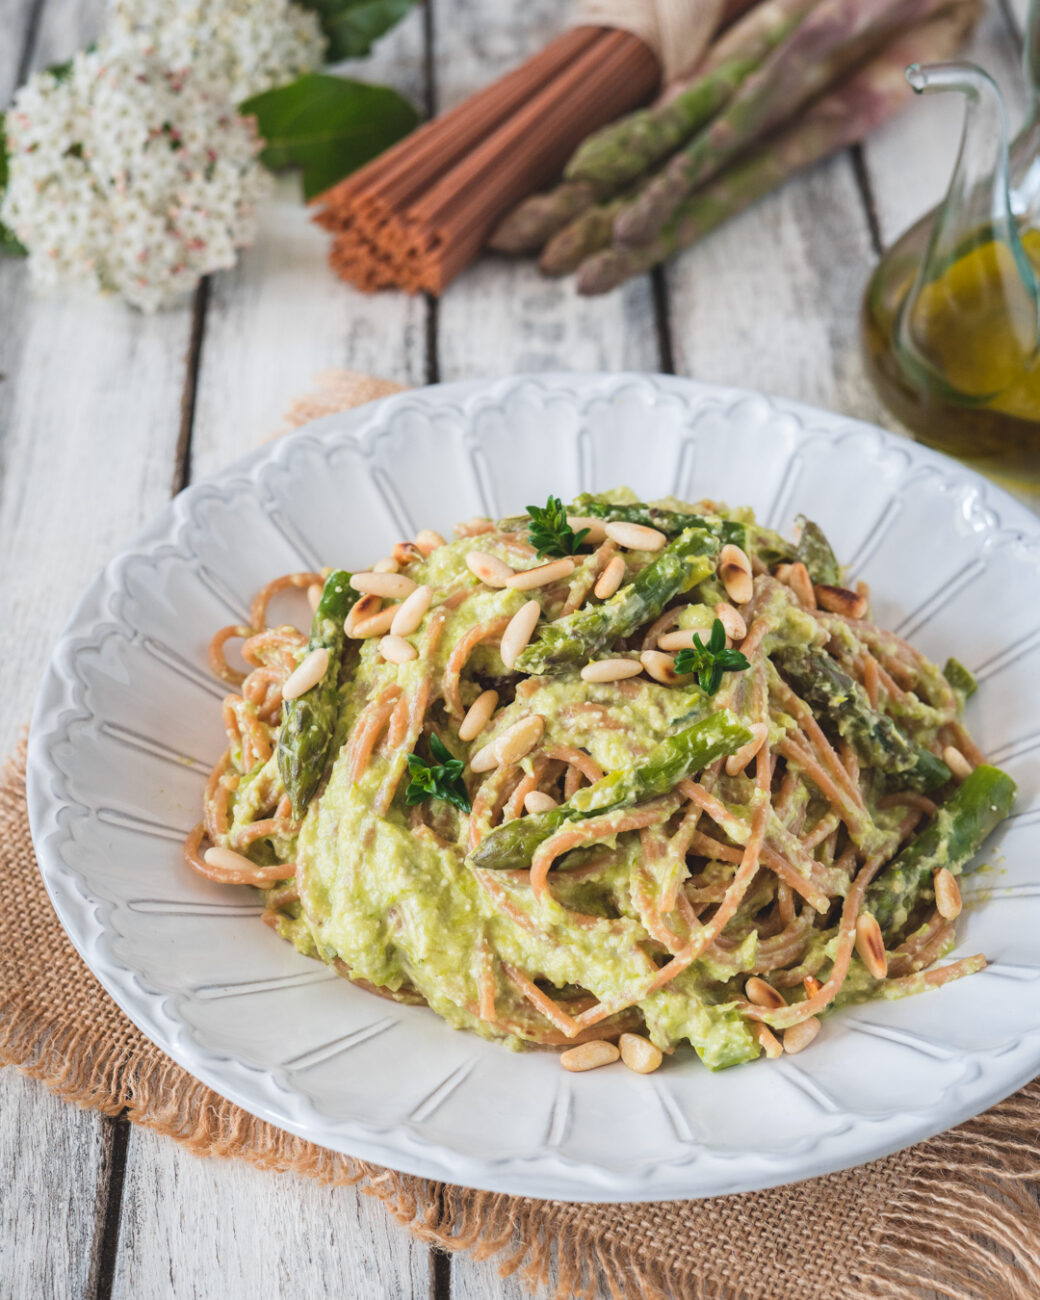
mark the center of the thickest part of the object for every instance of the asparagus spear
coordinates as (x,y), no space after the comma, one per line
(878,741)
(814,551)
(309,721)
(532,222)
(951,840)
(571,641)
(835,36)
(580,238)
(669,522)
(837,120)
(513,844)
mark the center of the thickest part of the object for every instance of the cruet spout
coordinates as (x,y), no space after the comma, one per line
(970,324)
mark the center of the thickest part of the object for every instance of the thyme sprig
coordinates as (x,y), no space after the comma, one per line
(710,661)
(439,780)
(549,531)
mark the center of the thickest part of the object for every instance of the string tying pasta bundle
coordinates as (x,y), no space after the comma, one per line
(416,215)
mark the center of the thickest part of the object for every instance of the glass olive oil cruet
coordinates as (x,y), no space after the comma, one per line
(951,317)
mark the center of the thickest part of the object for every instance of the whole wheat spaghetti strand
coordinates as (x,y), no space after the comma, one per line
(370,723)
(419,703)
(300,581)
(451,684)
(541,1002)
(218,662)
(260,877)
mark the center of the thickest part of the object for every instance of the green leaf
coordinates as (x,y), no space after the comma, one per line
(351,26)
(440,780)
(710,661)
(8,243)
(549,531)
(328,126)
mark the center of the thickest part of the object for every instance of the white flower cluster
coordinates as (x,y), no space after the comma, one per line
(246,45)
(129,177)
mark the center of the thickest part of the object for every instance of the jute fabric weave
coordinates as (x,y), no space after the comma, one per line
(957,1215)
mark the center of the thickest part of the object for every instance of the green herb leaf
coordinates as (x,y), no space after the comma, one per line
(329,126)
(439,780)
(549,531)
(351,26)
(710,661)
(8,243)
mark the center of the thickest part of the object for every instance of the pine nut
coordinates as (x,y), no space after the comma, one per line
(871,946)
(798,1037)
(639,1054)
(411,611)
(518,632)
(957,763)
(610,579)
(589,1056)
(771,1045)
(386,585)
(863,589)
(478,715)
(811,985)
(491,571)
(597,531)
(947,894)
(520,739)
(427,540)
(660,667)
(611,670)
(537,801)
(386,565)
(485,759)
(734,569)
(227,859)
(782,572)
(311,670)
(839,600)
(376,624)
(679,639)
(732,621)
(756,990)
(361,610)
(541,575)
(635,537)
(314,595)
(736,763)
(406,553)
(396,650)
(801,584)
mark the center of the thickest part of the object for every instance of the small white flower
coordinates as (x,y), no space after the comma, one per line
(128,177)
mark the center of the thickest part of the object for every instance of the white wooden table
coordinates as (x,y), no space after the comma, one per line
(105,413)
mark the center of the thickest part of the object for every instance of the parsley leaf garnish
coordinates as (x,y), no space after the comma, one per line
(710,661)
(549,531)
(439,780)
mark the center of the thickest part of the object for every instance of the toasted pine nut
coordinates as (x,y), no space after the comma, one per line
(396,650)
(801,584)
(635,537)
(411,611)
(491,571)
(362,609)
(541,575)
(386,565)
(679,639)
(782,572)
(947,894)
(520,739)
(798,1037)
(736,763)
(597,531)
(734,569)
(871,946)
(639,1054)
(311,670)
(610,579)
(377,624)
(485,759)
(839,600)
(406,553)
(771,1045)
(536,801)
(394,585)
(756,990)
(957,763)
(428,539)
(811,985)
(478,715)
(863,589)
(589,1056)
(227,859)
(660,667)
(518,632)
(611,670)
(314,595)
(732,620)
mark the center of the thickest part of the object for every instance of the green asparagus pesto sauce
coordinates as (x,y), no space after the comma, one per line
(399,908)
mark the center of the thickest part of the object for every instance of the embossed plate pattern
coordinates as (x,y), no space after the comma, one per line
(127,723)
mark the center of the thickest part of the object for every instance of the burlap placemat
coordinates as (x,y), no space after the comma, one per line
(957,1215)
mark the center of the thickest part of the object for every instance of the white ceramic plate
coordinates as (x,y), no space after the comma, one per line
(127,724)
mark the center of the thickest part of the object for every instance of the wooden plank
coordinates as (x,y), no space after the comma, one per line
(193,1227)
